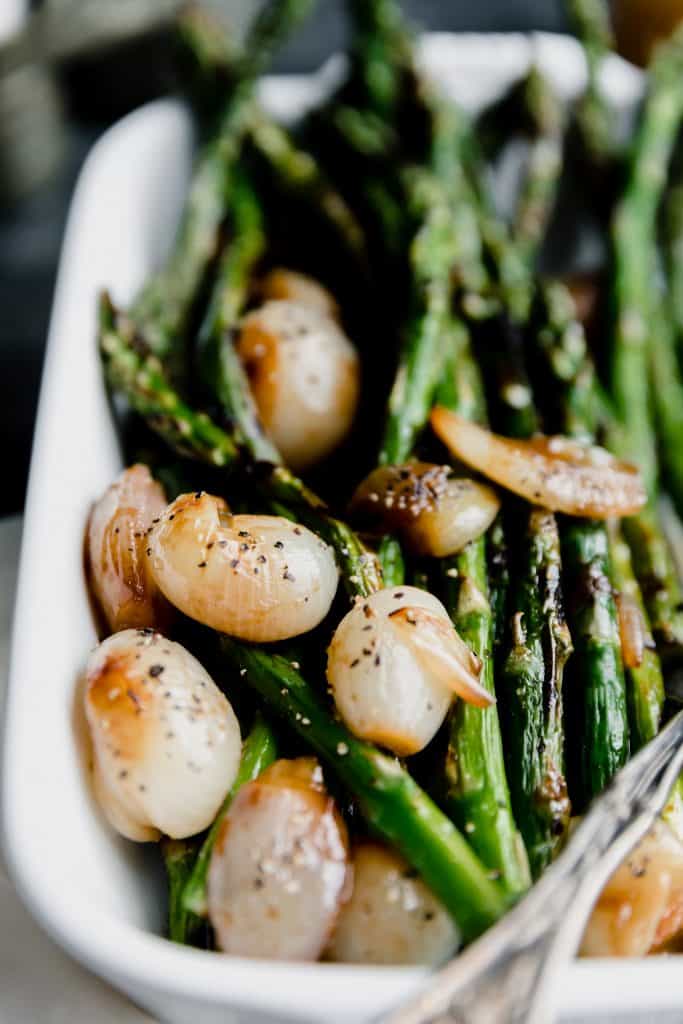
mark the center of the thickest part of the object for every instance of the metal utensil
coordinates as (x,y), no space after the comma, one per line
(508,975)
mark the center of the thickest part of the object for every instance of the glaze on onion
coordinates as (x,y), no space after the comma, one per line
(433,511)
(554,472)
(260,578)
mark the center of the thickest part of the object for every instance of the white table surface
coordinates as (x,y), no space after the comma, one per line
(39,984)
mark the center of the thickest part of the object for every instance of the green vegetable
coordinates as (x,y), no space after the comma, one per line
(644,682)
(530,689)
(431,258)
(476,793)
(596,670)
(594,115)
(179,856)
(633,241)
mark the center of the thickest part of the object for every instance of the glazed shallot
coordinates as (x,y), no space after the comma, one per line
(435,512)
(555,472)
(117,538)
(394,666)
(304,376)
(392,917)
(166,744)
(260,578)
(279,871)
(641,907)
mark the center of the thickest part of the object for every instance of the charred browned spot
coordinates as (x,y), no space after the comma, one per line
(117,696)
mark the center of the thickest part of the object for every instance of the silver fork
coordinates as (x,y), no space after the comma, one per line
(507,976)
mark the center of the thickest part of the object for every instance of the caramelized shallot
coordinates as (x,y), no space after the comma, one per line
(304,375)
(392,917)
(116,542)
(279,871)
(165,741)
(394,664)
(434,512)
(641,907)
(555,472)
(260,578)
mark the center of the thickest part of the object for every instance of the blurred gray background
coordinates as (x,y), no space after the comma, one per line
(94,92)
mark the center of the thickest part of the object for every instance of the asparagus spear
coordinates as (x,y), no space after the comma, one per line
(381,53)
(258,751)
(390,557)
(219,363)
(132,369)
(539,648)
(544,164)
(597,668)
(594,116)
(633,240)
(634,245)
(431,257)
(390,800)
(476,792)
(657,576)
(217,62)
(645,683)
(673,227)
(179,856)
(163,310)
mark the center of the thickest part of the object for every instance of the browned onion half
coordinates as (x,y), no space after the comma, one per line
(554,472)
(435,512)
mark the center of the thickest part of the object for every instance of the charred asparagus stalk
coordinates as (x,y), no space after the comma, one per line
(432,255)
(476,792)
(163,310)
(633,241)
(594,116)
(597,666)
(536,199)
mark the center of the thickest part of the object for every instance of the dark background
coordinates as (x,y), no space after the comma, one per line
(96,92)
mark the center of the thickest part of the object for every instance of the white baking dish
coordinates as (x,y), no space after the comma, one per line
(98,896)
